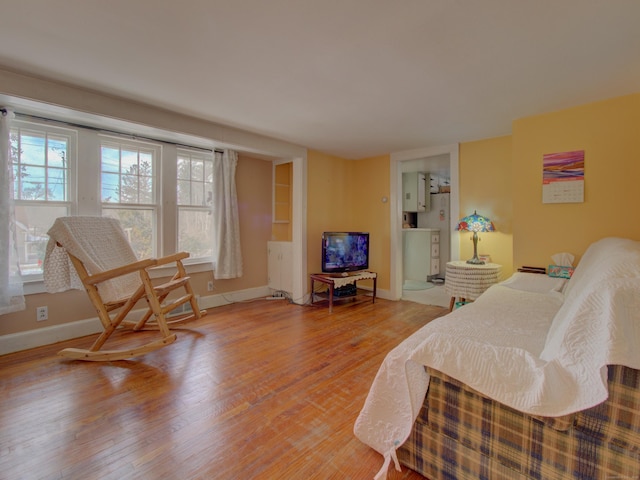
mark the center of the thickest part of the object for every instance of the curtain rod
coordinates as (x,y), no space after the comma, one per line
(133,136)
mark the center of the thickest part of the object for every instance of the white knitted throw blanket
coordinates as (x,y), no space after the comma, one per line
(100,243)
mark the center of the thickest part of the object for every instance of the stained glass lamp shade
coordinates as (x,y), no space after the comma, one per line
(475,223)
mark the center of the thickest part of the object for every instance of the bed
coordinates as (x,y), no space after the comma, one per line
(538,378)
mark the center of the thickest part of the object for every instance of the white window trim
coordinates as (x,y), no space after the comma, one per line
(175,214)
(84,183)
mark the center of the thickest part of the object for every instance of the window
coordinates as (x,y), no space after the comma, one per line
(161,194)
(128,191)
(42,159)
(195,202)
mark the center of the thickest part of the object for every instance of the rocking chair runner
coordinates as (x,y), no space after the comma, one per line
(93,253)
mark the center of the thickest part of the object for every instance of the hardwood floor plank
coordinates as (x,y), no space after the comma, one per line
(254,390)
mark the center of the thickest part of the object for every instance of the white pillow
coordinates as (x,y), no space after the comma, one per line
(535,282)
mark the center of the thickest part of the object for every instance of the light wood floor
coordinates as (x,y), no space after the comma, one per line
(256,390)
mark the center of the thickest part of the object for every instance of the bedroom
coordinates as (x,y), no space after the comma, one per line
(499,174)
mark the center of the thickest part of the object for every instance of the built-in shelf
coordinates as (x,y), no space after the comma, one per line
(282,193)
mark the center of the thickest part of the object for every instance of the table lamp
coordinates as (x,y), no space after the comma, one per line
(475,223)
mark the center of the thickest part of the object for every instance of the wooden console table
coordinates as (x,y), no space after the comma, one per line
(338,280)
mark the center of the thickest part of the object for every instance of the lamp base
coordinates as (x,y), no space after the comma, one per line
(475,261)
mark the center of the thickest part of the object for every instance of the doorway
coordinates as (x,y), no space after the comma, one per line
(437,159)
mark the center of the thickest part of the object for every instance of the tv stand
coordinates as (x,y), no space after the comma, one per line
(338,284)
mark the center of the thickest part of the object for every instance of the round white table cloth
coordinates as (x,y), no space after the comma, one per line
(469,281)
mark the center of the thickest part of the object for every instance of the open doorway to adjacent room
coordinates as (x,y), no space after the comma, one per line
(437,222)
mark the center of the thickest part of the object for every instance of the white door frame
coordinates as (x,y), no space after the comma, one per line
(299,227)
(396,260)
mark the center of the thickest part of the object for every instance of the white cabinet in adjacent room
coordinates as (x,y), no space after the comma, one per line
(415,192)
(421,253)
(280,266)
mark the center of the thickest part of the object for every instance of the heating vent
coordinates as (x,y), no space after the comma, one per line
(183,309)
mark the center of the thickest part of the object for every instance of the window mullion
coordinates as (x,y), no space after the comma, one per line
(86,181)
(169,194)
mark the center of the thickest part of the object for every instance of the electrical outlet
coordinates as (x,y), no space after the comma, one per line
(42,313)
(210,286)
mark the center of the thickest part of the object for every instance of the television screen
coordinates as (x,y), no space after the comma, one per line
(345,251)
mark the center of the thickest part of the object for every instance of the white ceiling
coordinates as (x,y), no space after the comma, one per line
(354,78)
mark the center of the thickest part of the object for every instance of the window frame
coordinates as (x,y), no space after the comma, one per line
(85,190)
(19,126)
(206,157)
(155,206)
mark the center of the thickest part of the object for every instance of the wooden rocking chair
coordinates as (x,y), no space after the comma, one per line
(93,253)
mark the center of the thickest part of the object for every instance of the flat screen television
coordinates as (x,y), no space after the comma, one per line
(345,252)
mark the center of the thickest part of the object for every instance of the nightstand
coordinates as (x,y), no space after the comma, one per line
(468,281)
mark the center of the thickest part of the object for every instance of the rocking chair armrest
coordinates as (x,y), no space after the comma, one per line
(176,257)
(120,271)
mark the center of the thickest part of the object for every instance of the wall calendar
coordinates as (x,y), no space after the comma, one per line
(563,177)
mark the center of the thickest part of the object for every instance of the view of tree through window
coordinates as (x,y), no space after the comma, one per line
(68,170)
(128,192)
(40,162)
(195,201)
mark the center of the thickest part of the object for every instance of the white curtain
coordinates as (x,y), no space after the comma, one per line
(227,254)
(11,293)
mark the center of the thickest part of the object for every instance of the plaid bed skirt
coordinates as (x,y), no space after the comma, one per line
(459,434)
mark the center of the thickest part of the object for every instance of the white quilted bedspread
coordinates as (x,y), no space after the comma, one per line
(551,362)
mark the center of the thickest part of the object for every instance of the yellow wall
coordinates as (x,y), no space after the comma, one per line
(371,182)
(347,195)
(502,179)
(609,133)
(486,186)
(328,202)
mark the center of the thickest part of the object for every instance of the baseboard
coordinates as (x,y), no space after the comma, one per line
(386,294)
(218,300)
(15,342)
(380,292)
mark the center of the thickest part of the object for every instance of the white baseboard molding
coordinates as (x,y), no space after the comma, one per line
(380,293)
(15,342)
(220,299)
